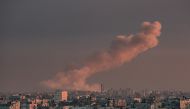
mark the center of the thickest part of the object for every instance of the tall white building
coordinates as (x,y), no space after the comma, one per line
(60,95)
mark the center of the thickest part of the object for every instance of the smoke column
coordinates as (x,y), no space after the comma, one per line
(122,49)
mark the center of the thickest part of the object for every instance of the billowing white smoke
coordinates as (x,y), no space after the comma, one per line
(122,50)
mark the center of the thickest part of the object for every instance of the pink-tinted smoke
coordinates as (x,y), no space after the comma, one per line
(123,49)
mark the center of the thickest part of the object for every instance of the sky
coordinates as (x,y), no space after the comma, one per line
(40,38)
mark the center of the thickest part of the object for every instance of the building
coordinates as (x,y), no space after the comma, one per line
(60,96)
(185,104)
(137,99)
(120,103)
(10,105)
(29,105)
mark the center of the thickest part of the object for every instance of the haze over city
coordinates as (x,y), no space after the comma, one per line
(39,39)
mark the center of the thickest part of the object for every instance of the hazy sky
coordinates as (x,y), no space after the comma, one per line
(40,38)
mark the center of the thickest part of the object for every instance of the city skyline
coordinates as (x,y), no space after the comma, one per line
(38,39)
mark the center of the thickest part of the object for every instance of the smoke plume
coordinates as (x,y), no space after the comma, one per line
(123,49)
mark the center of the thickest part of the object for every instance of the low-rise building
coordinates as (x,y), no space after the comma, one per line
(185,104)
(60,96)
